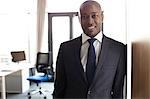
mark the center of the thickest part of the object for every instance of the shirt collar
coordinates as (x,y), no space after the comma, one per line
(97,37)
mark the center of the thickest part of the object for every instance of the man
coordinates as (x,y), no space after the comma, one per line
(104,77)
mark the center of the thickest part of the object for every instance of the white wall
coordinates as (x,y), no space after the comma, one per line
(17,24)
(115,19)
(138,19)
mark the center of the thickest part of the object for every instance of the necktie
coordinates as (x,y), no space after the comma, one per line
(91,61)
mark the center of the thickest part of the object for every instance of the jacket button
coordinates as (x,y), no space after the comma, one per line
(89,92)
(111,92)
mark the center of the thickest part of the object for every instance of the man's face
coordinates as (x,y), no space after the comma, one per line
(91,19)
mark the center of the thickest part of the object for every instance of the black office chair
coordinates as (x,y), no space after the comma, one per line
(42,66)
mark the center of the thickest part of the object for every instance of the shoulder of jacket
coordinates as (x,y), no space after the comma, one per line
(72,41)
(113,41)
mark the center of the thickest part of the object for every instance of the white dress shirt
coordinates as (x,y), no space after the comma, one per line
(85,46)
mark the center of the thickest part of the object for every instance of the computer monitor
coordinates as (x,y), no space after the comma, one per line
(18,56)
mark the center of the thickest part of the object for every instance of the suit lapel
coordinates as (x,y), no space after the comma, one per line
(105,48)
(77,49)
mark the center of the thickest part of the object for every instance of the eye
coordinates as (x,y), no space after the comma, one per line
(84,17)
(94,16)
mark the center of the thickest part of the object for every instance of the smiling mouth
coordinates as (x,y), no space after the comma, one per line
(91,27)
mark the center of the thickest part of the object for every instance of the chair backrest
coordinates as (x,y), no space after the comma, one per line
(18,56)
(42,62)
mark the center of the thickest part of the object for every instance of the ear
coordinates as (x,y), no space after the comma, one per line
(102,15)
(79,17)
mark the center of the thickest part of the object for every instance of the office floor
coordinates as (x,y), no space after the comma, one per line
(47,86)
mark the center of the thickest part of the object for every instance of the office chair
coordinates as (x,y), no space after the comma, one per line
(42,66)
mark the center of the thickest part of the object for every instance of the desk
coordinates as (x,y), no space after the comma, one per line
(6,70)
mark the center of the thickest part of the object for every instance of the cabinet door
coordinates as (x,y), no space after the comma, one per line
(17,82)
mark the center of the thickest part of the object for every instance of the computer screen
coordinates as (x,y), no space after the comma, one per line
(18,56)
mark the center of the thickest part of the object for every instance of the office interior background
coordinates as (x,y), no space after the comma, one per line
(24,26)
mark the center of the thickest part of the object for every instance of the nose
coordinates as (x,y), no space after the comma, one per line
(90,20)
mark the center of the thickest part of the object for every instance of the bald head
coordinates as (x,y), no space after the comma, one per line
(90,3)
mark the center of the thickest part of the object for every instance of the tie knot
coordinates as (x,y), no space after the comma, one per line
(91,41)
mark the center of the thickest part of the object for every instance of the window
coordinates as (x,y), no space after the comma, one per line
(61,25)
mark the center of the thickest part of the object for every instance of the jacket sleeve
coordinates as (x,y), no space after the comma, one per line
(117,90)
(60,82)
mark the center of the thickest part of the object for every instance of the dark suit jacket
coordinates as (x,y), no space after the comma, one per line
(108,81)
